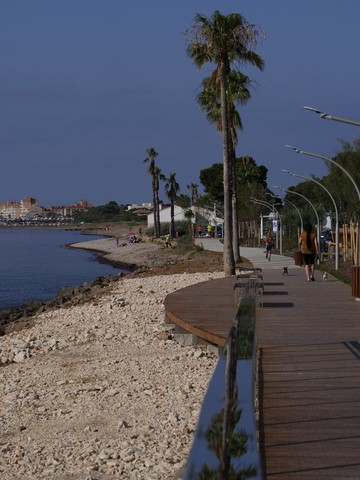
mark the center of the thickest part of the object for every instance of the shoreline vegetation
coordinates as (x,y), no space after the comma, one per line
(99,387)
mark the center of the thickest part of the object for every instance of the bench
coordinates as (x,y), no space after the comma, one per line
(243,273)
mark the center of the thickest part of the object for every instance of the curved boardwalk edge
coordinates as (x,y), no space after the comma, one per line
(308,335)
(206,309)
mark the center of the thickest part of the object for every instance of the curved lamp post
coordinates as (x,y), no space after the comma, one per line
(326,159)
(271,207)
(298,211)
(312,206)
(292,174)
(332,117)
(293,205)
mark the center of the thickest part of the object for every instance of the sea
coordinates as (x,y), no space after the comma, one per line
(35,264)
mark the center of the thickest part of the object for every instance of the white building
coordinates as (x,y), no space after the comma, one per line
(211,216)
(165,215)
(137,206)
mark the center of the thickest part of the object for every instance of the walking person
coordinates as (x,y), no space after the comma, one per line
(309,247)
(269,243)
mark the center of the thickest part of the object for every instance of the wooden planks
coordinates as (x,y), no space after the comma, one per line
(309,337)
(309,380)
(206,309)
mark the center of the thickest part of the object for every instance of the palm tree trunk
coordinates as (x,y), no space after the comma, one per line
(235,217)
(154,208)
(235,231)
(172,224)
(229,264)
(158,233)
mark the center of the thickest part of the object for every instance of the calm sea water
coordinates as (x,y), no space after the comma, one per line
(34,264)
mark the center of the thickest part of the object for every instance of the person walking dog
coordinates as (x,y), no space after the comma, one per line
(309,247)
(269,243)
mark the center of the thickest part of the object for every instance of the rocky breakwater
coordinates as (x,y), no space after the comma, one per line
(137,257)
(145,255)
(67,297)
(100,390)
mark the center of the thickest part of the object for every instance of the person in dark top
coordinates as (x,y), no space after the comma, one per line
(309,247)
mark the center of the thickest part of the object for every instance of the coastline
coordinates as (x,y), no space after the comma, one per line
(132,256)
(101,388)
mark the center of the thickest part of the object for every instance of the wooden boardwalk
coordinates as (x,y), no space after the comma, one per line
(309,339)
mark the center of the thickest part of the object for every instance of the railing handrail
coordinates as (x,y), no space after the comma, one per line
(226,439)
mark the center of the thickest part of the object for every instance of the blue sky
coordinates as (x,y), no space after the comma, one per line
(86,86)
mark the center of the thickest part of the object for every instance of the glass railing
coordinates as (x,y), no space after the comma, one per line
(225,445)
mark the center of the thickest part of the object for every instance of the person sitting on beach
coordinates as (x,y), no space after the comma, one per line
(167,241)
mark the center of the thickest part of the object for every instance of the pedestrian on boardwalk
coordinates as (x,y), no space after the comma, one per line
(309,247)
(269,243)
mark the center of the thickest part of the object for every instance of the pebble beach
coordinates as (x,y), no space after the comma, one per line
(101,391)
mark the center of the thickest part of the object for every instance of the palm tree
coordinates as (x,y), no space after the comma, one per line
(194,192)
(158,176)
(150,159)
(224,40)
(209,101)
(172,189)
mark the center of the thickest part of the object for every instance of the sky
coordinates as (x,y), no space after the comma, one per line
(86,86)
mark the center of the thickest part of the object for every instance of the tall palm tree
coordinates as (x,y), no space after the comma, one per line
(224,40)
(194,192)
(172,189)
(209,101)
(150,159)
(158,176)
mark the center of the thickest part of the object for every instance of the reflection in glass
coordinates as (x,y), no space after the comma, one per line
(225,444)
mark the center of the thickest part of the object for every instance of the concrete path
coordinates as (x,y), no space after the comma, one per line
(254,254)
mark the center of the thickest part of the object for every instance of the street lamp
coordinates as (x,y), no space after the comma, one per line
(293,205)
(327,159)
(310,203)
(292,174)
(272,207)
(332,117)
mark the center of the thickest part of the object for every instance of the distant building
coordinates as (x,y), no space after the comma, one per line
(26,208)
(10,210)
(140,206)
(69,210)
(212,217)
(165,215)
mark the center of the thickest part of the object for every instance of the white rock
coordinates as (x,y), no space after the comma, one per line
(98,393)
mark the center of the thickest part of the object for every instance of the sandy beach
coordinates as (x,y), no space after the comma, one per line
(146,254)
(101,391)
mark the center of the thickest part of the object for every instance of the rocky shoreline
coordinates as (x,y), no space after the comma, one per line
(134,257)
(97,389)
(147,254)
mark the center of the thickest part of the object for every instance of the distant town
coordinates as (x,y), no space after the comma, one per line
(28,212)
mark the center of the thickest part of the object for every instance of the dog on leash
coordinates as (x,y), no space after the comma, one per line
(325,277)
(285,271)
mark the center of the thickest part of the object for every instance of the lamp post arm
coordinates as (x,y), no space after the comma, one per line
(327,116)
(310,203)
(318,183)
(336,214)
(342,120)
(298,211)
(272,207)
(327,159)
